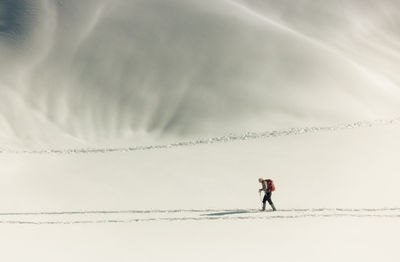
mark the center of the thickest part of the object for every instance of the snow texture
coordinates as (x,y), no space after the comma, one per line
(109,74)
(136,130)
(130,216)
(221,139)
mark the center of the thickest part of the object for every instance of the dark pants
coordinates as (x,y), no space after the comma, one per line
(267,197)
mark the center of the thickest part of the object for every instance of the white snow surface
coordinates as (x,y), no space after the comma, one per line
(337,199)
(136,130)
(351,168)
(135,72)
(316,239)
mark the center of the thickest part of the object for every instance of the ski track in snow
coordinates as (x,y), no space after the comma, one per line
(69,217)
(214,140)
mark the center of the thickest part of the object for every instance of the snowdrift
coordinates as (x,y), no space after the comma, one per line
(110,73)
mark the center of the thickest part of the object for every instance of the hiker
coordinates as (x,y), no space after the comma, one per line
(267,187)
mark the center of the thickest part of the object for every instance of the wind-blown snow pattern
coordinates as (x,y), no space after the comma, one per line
(137,130)
(102,73)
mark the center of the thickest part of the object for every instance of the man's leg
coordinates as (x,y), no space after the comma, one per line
(268,195)
(264,201)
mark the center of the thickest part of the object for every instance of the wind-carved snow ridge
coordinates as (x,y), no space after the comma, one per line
(219,139)
(103,73)
(131,216)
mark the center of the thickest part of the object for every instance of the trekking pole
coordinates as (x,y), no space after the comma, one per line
(259,192)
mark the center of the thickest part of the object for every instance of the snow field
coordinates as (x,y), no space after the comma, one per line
(302,239)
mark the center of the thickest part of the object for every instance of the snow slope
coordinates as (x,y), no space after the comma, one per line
(337,195)
(136,130)
(112,73)
(353,168)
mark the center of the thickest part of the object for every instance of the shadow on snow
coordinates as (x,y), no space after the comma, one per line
(234,212)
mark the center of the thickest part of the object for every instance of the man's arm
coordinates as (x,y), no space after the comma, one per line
(264,187)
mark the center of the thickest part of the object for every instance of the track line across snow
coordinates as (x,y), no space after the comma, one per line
(214,140)
(189,211)
(130,216)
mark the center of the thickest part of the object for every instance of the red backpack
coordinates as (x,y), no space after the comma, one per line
(270,185)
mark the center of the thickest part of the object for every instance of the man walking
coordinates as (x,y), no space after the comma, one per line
(267,187)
